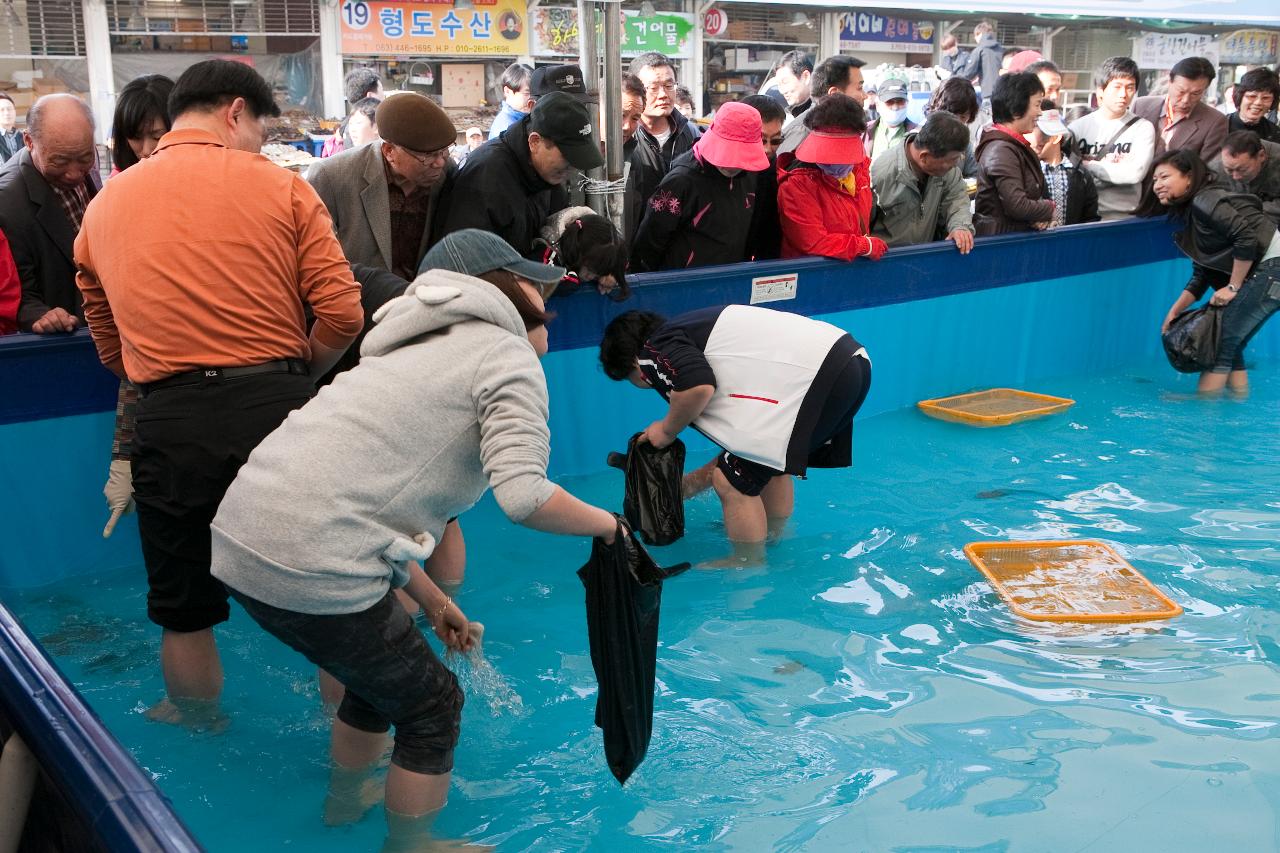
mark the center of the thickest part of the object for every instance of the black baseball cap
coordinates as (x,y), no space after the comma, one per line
(562,119)
(558,78)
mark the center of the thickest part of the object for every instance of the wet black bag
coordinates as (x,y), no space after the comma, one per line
(624,592)
(653,503)
(1191,343)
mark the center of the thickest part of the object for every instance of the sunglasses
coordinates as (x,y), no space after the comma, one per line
(772,140)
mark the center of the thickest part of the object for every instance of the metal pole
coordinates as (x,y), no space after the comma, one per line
(589,56)
(612,99)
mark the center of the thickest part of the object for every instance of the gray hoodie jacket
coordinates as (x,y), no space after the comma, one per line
(448,399)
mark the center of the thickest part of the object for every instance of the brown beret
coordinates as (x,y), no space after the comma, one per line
(415,122)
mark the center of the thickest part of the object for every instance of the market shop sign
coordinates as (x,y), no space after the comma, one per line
(554,32)
(1250,47)
(715,22)
(864,31)
(493,28)
(1161,51)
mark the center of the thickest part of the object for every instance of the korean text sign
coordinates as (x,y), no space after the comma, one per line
(554,32)
(496,28)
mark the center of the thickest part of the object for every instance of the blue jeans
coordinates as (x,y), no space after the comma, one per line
(1258,299)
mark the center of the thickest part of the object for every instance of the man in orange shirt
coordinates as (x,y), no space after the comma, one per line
(194,266)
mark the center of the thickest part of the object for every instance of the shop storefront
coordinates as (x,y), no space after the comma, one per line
(742,42)
(42,51)
(454,53)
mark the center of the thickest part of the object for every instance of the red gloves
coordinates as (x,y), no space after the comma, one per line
(872,247)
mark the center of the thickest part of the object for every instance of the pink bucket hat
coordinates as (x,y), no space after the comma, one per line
(832,146)
(1022,59)
(733,141)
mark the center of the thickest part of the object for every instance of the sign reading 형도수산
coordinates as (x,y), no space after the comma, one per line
(492,28)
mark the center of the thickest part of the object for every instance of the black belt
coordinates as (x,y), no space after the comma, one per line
(217,375)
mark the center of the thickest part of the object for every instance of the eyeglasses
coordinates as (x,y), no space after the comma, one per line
(661,86)
(771,140)
(425,158)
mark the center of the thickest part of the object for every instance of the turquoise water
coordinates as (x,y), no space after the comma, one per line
(866,691)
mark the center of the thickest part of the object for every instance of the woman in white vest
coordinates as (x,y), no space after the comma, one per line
(777,391)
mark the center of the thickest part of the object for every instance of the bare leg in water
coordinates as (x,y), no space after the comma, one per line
(446,566)
(1237,381)
(192,680)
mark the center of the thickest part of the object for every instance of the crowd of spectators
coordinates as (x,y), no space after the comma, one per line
(395,189)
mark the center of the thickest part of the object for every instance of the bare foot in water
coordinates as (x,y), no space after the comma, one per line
(746,555)
(351,795)
(198,715)
(413,835)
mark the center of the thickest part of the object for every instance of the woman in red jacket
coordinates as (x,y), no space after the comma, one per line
(10,289)
(824,189)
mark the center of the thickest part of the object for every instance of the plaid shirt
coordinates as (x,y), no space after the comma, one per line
(73,203)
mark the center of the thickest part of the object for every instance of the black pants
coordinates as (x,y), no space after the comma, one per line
(189,445)
(391,675)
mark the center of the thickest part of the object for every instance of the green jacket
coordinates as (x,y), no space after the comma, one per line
(902,217)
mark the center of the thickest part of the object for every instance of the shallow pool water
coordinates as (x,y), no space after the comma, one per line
(866,691)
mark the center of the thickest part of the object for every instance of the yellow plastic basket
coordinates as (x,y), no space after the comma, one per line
(993,407)
(1072,581)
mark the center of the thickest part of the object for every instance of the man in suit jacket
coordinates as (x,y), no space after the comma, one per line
(43,195)
(385,197)
(1181,118)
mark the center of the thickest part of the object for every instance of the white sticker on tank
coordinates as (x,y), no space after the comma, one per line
(774,288)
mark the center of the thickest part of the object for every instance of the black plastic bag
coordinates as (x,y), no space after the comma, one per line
(624,593)
(653,504)
(1192,340)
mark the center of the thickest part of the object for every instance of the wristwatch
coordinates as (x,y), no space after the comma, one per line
(1234,288)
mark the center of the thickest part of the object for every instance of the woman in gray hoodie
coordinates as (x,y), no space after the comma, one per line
(336,508)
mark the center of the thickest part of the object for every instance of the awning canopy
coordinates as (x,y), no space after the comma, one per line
(1219,12)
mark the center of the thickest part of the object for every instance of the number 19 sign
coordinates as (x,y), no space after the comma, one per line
(495,28)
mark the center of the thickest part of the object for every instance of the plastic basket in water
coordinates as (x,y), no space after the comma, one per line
(1072,581)
(993,407)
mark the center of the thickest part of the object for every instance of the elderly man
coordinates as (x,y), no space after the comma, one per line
(920,192)
(44,191)
(385,198)
(196,266)
(1181,117)
(1250,164)
(663,135)
(512,184)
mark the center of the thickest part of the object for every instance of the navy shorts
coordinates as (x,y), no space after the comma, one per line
(848,393)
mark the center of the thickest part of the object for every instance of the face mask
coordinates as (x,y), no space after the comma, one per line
(893,118)
(837,171)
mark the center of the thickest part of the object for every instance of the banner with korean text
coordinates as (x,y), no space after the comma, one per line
(554,32)
(407,28)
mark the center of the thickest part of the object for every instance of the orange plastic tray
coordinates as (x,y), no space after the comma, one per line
(1071,581)
(993,407)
